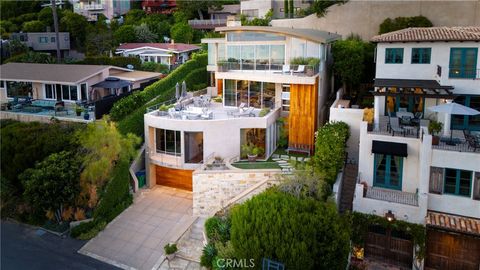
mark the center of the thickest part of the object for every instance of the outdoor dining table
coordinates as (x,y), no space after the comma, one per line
(407,114)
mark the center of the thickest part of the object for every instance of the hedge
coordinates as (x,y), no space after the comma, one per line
(133,123)
(129,104)
(119,61)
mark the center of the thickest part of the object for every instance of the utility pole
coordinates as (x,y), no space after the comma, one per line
(55,26)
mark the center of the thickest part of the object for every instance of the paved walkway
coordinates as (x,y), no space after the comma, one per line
(135,239)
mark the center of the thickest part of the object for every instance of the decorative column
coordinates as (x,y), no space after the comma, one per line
(376,114)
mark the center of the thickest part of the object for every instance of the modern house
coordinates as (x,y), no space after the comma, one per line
(44,41)
(403,172)
(255,9)
(69,83)
(218,17)
(92,8)
(159,6)
(256,83)
(170,54)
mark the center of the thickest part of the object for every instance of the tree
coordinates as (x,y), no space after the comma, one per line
(320,7)
(181,32)
(348,57)
(143,34)
(265,21)
(34,26)
(53,183)
(389,25)
(17,47)
(296,232)
(99,38)
(125,34)
(158,23)
(46,16)
(77,26)
(134,16)
(192,8)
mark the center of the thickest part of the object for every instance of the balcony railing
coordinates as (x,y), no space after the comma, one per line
(460,73)
(295,70)
(93,7)
(394,196)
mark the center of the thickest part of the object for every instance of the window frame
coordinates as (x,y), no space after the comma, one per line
(388,166)
(395,52)
(177,142)
(421,52)
(457,182)
(463,59)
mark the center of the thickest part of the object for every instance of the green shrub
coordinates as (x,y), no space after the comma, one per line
(170,248)
(208,254)
(301,233)
(218,229)
(132,103)
(99,226)
(155,67)
(389,25)
(116,197)
(263,112)
(211,226)
(330,146)
(119,61)
(82,228)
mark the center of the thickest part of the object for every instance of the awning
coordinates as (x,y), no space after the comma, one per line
(428,88)
(389,148)
(453,222)
(112,83)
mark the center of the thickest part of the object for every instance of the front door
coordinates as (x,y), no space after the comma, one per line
(388,171)
(452,251)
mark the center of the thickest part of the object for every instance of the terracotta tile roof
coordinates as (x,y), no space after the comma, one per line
(414,34)
(177,47)
(453,222)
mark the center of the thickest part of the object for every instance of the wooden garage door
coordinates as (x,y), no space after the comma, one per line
(174,177)
(448,251)
(386,245)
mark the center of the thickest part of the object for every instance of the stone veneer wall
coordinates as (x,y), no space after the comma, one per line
(212,190)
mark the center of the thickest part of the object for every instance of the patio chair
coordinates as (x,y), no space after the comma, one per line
(300,69)
(406,120)
(286,69)
(472,142)
(248,112)
(418,117)
(395,126)
(242,107)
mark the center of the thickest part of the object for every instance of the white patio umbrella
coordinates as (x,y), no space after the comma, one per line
(177,91)
(184,89)
(452,108)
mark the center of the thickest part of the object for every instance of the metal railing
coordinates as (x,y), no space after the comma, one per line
(212,22)
(93,7)
(295,70)
(394,196)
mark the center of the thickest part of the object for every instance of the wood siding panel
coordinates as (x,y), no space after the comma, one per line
(176,178)
(219,87)
(302,121)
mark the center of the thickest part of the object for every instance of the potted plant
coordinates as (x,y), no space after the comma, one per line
(86,114)
(368,114)
(263,112)
(313,63)
(170,250)
(78,110)
(251,151)
(434,127)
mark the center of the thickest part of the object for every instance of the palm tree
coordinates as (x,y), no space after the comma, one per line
(55,26)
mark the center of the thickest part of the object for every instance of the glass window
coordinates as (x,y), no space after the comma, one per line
(458,182)
(2,84)
(73,92)
(221,52)
(43,39)
(388,171)
(168,142)
(49,91)
(463,63)
(262,57)
(52,39)
(268,95)
(211,53)
(248,57)
(234,53)
(421,55)
(464,121)
(83,91)
(277,56)
(393,55)
(255,95)
(253,36)
(242,93)
(65,92)
(253,136)
(15,89)
(229,93)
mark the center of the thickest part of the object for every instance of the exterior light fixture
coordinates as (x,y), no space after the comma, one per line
(390,216)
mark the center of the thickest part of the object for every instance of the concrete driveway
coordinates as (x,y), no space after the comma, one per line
(135,239)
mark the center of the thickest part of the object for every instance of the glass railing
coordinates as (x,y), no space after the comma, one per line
(295,70)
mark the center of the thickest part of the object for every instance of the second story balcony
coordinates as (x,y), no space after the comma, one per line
(207,24)
(265,67)
(93,7)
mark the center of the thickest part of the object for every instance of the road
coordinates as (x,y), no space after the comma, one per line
(23,247)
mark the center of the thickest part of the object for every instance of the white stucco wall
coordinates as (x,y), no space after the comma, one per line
(440,56)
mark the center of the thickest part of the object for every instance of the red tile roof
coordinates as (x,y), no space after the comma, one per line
(453,222)
(414,34)
(177,47)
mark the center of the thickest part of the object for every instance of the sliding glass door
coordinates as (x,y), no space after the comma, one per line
(388,171)
(249,94)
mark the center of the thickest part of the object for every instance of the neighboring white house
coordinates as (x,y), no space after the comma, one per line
(400,173)
(251,74)
(169,54)
(92,8)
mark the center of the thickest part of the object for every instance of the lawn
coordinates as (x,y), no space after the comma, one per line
(256,165)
